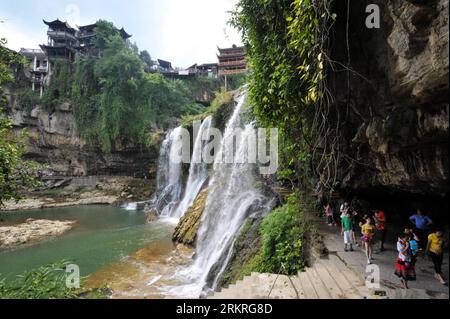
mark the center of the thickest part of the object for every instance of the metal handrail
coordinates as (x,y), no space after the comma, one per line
(278,276)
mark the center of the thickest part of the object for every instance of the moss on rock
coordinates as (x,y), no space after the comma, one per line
(246,248)
(186,230)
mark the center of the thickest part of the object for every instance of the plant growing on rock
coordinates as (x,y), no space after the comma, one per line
(15,173)
(287,43)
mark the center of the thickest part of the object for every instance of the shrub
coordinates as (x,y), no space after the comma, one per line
(283,240)
(27,99)
(47,282)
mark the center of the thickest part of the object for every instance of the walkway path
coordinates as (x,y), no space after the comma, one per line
(326,279)
(426,285)
(340,275)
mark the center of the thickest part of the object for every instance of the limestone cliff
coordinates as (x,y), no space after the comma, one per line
(54,140)
(395,110)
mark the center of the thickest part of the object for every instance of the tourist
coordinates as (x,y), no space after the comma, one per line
(422,223)
(380,224)
(435,249)
(344,209)
(404,268)
(368,230)
(414,246)
(355,221)
(336,215)
(329,214)
(347,231)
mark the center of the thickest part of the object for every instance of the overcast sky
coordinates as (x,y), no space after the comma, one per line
(181,31)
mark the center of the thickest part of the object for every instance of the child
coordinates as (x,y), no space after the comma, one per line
(347,231)
(414,245)
(368,230)
(404,267)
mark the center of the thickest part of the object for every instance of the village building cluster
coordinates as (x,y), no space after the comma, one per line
(66,43)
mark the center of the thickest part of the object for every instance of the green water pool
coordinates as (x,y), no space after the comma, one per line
(103,234)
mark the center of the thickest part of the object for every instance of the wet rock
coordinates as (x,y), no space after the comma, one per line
(152,216)
(187,228)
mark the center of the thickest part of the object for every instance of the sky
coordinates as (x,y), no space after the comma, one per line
(181,31)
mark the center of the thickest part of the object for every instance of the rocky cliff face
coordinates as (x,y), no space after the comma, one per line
(54,140)
(395,109)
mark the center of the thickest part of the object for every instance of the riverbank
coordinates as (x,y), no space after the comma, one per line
(102,235)
(67,192)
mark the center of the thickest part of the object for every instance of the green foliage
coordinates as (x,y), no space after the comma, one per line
(9,60)
(27,99)
(146,58)
(47,282)
(236,81)
(59,89)
(14,172)
(198,85)
(284,233)
(284,41)
(220,108)
(116,101)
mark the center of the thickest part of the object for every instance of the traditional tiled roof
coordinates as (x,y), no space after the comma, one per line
(58,24)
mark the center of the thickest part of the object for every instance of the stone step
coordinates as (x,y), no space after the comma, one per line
(348,289)
(350,275)
(307,286)
(333,288)
(319,287)
(328,278)
(283,289)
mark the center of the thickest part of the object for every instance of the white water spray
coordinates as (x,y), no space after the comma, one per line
(198,171)
(169,178)
(233,197)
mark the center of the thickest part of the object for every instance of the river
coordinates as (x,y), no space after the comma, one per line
(110,244)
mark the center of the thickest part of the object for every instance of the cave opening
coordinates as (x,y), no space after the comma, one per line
(400,205)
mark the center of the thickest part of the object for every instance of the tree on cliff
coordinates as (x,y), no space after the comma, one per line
(115,100)
(15,173)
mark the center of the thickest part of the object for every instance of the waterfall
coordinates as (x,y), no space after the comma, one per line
(169,178)
(233,197)
(198,171)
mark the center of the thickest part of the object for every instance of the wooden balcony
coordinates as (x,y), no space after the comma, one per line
(235,63)
(232,71)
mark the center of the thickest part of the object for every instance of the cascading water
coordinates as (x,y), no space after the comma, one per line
(233,197)
(169,179)
(198,171)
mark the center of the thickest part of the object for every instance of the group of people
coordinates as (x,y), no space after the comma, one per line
(420,236)
(424,237)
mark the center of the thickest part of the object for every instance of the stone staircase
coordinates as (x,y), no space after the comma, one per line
(327,279)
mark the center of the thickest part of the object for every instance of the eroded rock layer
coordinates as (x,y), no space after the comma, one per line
(395,105)
(53,139)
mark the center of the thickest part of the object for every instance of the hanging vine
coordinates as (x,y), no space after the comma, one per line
(288,48)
